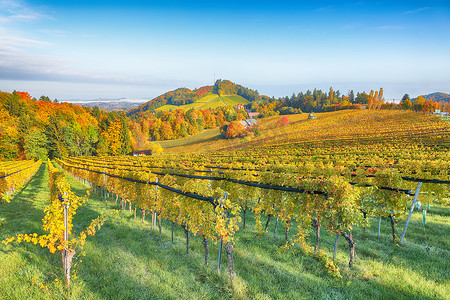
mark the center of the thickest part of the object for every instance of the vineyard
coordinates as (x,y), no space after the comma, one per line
(332,201)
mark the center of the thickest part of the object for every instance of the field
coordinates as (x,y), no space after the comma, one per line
(342,126)
(204,136)
(129,258)
(209,101)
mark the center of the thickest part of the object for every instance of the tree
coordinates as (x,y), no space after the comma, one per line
(166,131)
(330,99)
(35,145)
(351,96)
(362,98)
(284,121)
(112,138)
(406,104)
(233,129)
(9,136)
(419,103)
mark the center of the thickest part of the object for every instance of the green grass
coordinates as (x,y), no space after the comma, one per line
(209,101)
(127,260)
(234,100)
(204,136)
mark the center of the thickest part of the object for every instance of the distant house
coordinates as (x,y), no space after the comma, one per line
(248,123)
(253,115)
(442,114)
(141,153)
(239,106)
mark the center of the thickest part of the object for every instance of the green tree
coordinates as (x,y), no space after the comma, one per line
(362,98)
(351,96)
(35,145)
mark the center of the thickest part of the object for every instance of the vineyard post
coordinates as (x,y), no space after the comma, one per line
(225,196)
(276,226)
(64,199)
(336,242)
(416,195)
(379,226)
(173,223)
(104,184)
(6,185)
(154,211)
(335,246)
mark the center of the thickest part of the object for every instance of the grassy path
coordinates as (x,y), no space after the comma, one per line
(127,260)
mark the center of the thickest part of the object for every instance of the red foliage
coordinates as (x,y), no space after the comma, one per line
(284,121)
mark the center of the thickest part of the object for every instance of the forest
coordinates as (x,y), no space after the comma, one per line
(33,128)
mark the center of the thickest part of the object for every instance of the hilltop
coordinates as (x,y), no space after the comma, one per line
(438,97)
(222,93)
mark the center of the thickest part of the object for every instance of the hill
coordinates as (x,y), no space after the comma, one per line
(347,125)
(223,93)
(439,97)
(209,101)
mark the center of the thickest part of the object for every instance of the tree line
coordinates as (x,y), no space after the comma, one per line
(33,128)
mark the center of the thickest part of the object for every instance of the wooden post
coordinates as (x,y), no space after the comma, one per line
(379,226)
(67,254)
(154,212)
(173,223)
(225,196)
(104,184)
(276,227)
(335,246)
(416,195)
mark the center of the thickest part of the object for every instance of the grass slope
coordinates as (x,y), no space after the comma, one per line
(209,101)
(206,135)
(128,260)
(346,125)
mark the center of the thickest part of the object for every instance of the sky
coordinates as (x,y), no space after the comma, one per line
(80,49)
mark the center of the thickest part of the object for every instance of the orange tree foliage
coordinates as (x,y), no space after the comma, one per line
(233,129)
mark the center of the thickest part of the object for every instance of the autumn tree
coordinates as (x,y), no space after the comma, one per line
(232,130)
(284,121)
(9,136)
(419,103)
(112,138)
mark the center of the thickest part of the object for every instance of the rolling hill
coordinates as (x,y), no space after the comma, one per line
(223,93)
(439,97)
(209,101)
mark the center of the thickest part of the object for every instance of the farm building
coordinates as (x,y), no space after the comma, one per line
(248,123)
(141,153)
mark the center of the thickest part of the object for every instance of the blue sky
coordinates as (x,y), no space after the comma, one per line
(140,49)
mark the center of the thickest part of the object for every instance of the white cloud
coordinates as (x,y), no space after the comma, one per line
(414,11)
(18,11)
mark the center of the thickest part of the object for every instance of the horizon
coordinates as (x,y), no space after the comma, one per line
(141,49)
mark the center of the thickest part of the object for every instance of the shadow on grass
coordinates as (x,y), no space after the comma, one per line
(25,211)
(127,260)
